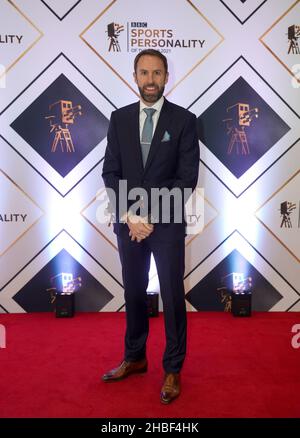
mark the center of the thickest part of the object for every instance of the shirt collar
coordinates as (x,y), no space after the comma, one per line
(157,106)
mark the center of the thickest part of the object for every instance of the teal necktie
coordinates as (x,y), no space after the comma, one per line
(147,134)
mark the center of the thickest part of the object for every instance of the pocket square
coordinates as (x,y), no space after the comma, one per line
(166,137)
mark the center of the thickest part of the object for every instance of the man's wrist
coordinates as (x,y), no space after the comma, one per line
(149,218)
(126,216)
(133,218)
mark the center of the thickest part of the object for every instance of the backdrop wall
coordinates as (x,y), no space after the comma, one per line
(66,65)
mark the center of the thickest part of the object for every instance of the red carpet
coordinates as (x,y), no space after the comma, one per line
(236,367)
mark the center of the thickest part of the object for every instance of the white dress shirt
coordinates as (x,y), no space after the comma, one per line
(157,106)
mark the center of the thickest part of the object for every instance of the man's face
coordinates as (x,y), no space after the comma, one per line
(150,78)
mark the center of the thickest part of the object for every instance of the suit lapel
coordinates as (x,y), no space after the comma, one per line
(161,127)
(134,134)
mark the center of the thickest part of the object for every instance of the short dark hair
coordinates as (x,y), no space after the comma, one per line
(151,52)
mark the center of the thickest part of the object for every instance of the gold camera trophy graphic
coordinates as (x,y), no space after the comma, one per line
(293,36)
(63,286)
(233,283)
(63,114)
(63,283)
(113,32)
(242,117)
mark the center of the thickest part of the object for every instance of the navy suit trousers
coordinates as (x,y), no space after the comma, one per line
(169,260)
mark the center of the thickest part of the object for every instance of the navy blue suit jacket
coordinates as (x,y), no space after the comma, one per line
(173,159)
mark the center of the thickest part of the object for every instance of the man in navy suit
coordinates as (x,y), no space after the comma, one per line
(152,144)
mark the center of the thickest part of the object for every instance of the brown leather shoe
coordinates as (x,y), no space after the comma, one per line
(125,369)
(171,388)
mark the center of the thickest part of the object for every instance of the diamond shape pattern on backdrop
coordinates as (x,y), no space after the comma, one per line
(60,8)
(206,296)
(17,39)
(70,123)
(92,296)
(62,125)
(18,212)
(119,33)
(244,9)
(236,160)
(280,214)
(240,127)
(282,39)
(96,213)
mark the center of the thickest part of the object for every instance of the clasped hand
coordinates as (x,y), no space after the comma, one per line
(139,228)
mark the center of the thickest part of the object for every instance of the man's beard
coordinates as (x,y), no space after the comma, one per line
(153,97)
